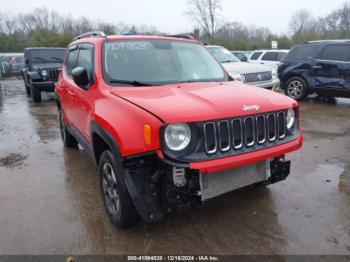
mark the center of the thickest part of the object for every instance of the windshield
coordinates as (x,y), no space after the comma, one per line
(157,62)
(223,55)
(47,56)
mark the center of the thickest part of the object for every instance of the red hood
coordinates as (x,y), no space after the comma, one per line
(203,101)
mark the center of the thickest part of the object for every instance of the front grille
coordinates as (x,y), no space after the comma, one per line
(245,133)
(258,77)
(53,74)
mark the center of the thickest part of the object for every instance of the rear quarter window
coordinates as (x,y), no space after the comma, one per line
(300,52)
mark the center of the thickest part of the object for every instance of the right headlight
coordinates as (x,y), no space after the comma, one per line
(44,73)
(237,76)
(177,136)
(290,118)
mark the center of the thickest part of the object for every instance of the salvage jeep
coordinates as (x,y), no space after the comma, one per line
(167,126)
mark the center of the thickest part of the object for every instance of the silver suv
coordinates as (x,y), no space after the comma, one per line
(252,74)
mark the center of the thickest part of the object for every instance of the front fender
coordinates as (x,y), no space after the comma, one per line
(125,123)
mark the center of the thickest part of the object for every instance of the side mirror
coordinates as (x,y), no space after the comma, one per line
(80,77)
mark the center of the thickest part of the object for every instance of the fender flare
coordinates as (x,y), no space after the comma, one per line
(33,75)
(107,137)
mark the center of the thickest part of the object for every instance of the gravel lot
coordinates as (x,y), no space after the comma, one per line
(50,201)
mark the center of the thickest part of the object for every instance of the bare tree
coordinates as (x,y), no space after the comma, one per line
(301,22)
(206,14)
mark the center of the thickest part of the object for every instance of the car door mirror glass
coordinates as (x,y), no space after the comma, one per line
(80,77)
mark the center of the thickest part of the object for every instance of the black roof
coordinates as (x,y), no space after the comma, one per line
(43,48)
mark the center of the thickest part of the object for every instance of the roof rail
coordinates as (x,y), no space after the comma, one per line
(330,40)
(184,36)
(91,34)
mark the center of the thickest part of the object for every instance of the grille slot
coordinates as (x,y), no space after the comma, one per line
(249,131)
(271,127)
(53,74)
(261,129)
(210,138)
(237,133)
(281,125)
(224,136)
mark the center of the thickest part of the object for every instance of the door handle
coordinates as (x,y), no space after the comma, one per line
(317,67)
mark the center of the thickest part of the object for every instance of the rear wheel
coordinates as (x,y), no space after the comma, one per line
(28,91)
(296,88)
(118,204)
(67,138)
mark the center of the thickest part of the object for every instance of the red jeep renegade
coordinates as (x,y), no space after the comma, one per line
(167,125)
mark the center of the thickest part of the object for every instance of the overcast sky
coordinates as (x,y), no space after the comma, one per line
(168,15)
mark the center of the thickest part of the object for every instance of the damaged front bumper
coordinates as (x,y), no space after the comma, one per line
(159,188)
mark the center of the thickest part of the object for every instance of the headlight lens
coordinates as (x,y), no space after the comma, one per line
(44,73)
(274,73)
(177,136)
(237,76)
(290,118)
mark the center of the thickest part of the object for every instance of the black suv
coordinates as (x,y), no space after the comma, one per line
(321,67)
(41,70)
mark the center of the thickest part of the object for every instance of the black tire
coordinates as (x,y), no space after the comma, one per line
(297,88)
(28,91)
(67,139)
(118,204)
(36,95)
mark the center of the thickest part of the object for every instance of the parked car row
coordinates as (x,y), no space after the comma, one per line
(11,64)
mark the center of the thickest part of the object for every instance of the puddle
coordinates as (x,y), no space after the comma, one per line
(12,160)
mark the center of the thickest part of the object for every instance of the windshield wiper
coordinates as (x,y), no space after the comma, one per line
(129,82)
(57,58)
(228,61)
(40,58)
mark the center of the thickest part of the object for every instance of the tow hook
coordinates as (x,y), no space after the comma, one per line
(280,169)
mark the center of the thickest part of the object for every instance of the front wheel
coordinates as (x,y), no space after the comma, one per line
(118,204)
(296,88)
(36,95)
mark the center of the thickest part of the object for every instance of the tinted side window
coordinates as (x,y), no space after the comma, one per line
(300,52)
(255,55)
(71,61)
(85,60)
(270,56)
(336,53)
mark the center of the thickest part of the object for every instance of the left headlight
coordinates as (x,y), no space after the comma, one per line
(290,119)
(274,73)
(177,136)
(44,73)
(237,76)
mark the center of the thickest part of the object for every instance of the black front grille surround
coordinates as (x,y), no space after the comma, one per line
(258,77)
(229,137)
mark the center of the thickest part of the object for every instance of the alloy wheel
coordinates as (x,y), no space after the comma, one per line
(110,191)
(295,89)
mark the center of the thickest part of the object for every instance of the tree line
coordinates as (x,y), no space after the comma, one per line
(42,27)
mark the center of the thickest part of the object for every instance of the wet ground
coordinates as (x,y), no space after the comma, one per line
(50,201)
